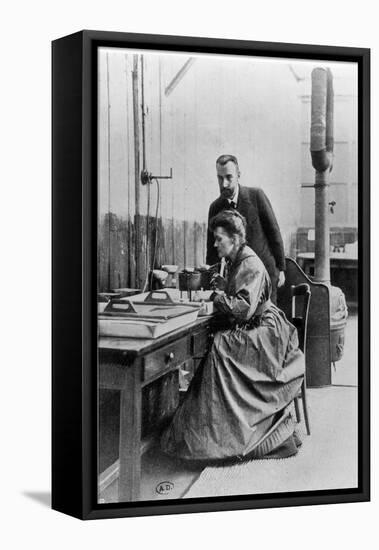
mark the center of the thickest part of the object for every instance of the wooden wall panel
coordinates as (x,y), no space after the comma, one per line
(178,243)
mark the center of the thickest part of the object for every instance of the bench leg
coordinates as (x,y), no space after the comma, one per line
(130,435)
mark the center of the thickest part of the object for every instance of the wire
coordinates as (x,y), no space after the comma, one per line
(148,269)
(147,241)
(156,227)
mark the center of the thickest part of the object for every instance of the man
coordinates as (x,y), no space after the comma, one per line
(262,231)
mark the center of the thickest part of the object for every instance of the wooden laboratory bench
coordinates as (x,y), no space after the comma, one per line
(129,365)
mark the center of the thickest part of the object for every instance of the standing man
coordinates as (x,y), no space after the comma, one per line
(262,229)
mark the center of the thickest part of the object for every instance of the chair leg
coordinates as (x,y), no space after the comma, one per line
(297,409)
(305,408)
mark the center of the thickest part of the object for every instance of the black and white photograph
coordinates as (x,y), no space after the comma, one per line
(189,238)
(227,275)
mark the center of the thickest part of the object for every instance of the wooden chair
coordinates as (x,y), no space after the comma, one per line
(300,298)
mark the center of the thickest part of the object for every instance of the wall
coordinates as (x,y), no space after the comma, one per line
(248,107)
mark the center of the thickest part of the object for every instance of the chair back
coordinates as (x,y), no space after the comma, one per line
(300,298)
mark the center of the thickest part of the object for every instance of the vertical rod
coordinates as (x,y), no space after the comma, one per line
(322,237)
(136,170)
(130,278)
(160,113)
(109,175)
(143,114)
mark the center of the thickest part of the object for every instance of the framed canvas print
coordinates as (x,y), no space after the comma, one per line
(210,274)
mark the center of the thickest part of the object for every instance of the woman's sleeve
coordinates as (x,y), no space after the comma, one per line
(249,287)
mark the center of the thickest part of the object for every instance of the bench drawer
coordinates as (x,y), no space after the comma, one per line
(167,358)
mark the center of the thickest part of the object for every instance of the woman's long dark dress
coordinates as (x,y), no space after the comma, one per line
(237,402)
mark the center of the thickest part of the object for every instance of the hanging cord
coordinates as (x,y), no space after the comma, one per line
(156,230)
(147,240)
(148,270)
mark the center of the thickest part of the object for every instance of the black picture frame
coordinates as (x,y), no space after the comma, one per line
(74,272)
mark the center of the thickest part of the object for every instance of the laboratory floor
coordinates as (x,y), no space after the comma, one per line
(326,460)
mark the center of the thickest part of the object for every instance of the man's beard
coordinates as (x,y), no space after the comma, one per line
(227,194)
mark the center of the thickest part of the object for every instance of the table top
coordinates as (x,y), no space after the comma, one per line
(140,346)
(332,256)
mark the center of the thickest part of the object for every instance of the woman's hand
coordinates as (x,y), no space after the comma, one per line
(218,282)
(216,293)
(282,279)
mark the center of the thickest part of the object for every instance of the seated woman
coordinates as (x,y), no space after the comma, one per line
(237,405)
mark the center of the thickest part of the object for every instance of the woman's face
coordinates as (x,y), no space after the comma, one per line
(224,244)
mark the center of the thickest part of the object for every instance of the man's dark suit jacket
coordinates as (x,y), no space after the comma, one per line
(262,231)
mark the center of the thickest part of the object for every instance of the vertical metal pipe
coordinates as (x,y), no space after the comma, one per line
(321,151)
(318,118)
(131,262)
(143,115)
(137,251)
(109,177)
(322,238)
(329,134)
